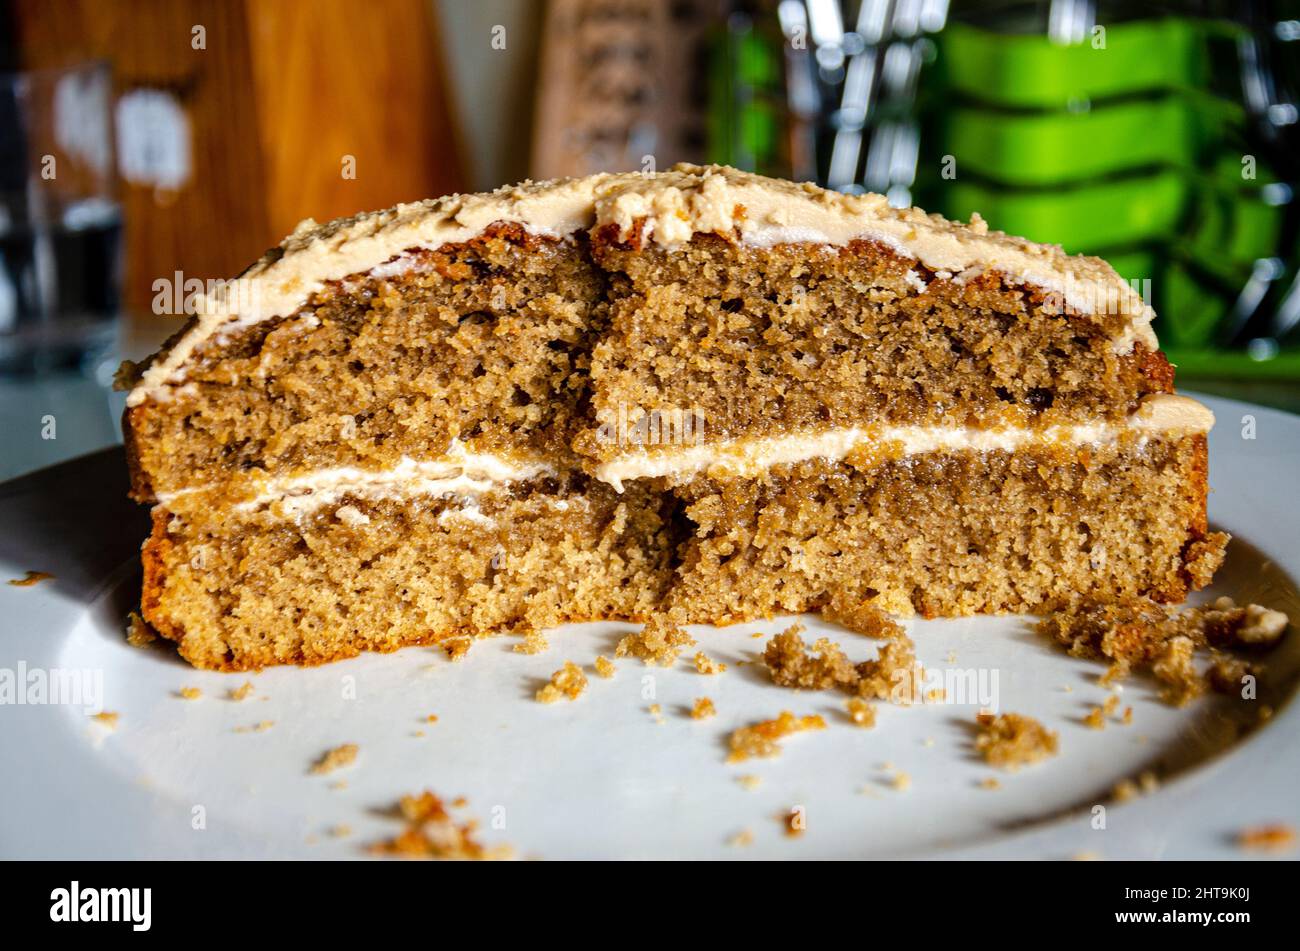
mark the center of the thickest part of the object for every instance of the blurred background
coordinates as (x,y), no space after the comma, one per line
(148,146)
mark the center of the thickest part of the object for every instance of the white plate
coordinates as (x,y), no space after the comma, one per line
(601,777)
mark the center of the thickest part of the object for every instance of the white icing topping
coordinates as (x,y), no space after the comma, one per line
(672,206)
(749,457)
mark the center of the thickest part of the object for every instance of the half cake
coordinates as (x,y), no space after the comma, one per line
(700,391)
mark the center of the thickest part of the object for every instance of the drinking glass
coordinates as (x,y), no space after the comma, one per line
(60,223)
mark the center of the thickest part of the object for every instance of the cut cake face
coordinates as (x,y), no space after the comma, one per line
(698,391)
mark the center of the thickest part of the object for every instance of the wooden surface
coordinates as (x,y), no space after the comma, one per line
(334,78)
(281,94)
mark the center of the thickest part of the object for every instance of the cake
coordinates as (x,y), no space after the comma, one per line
(701,393)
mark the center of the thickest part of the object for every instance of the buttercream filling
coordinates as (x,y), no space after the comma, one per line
(461,475)
(752,456)
(466,476)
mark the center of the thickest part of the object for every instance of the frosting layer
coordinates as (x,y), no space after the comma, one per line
(460,473)
(750,457)
(467,475)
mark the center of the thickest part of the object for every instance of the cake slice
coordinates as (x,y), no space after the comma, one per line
(700,391)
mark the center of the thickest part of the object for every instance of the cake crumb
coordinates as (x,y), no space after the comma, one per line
(31,578)
(1096,718)
(432,833)
(901,781)
(658,643)
(1146,783)
(431,718)
(189,693)
(1175,667)
(707,665)
(895,675)
(861,617)
(1141,635)
(534,642)
(741,839)
(605,667)
(657,712)
(1011,740)
(749,781)
(340,831)
(138,633)
(106,717)
(566,683)
(1228,675)
(260,727)
(457,647)
(791,663)
(336,758)
(703,709)
(1124,790)
(861,712)
(1261,625)
(1272,837)
(763,739)
(795,822)
(242,691)
(990,782)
